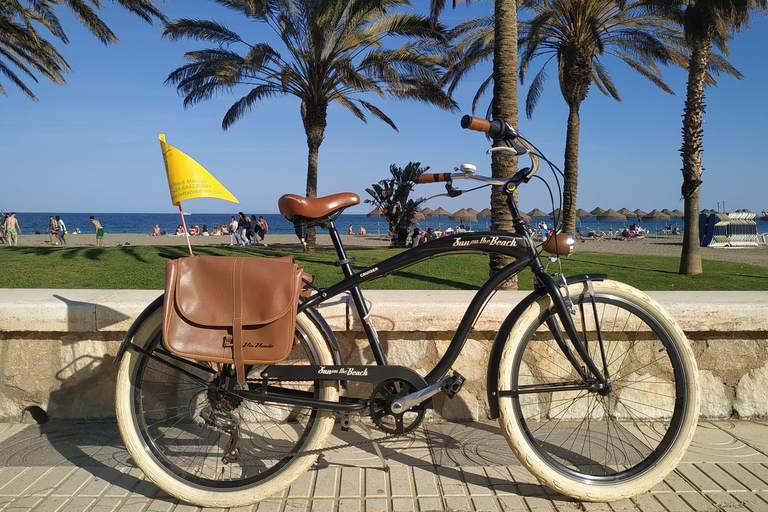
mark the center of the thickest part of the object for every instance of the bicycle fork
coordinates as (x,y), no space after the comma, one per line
(588,370)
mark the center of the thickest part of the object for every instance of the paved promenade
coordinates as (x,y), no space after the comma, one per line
(80,466)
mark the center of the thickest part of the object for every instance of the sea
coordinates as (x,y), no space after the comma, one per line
(143,223)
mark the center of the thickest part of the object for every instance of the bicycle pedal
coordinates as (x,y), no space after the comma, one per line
(453,386)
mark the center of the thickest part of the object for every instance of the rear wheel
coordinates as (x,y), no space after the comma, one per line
(208,447)
(609,444)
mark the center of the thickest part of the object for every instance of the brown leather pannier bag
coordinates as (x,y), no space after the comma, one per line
(232,310)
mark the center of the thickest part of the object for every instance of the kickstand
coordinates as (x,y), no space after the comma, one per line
(375,447)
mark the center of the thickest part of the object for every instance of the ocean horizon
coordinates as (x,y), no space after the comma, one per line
(143,223)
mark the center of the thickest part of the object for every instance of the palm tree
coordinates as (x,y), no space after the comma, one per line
(23,48)
(499,42)
(334,51)
(576,34)
(706,24)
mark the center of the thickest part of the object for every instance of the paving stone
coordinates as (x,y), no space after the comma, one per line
(723,479)
(500,481)
(404,505)
(596,507)
(400,481)
(647,503)
(511,502)
(450,481)
(698,478)
(23,479)
(269,505)
(136,504)
(51,504)
(742,473)
(697,501)
(751,501)
(296,505)
(349,505)
(376,505)
(375,483)
(484,504)
(457,503)
(351,482)
(426,482)
(477,483)
(431,505)
(123,483)
(538,504)
(302,487)
(105,505)
(672,502)
(50,480)
(74,482)
(326,482)
(23,504)
(678,483)
(319,505)
(77,505)
(724,501)
(623,506)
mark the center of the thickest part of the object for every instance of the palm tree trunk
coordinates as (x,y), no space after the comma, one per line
(693,115)
(504,107)
(571,170)
(314,118)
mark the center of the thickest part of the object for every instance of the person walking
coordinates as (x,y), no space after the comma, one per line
(234,237)
(264,227)
(12,229)
(99,232)
(244,224)
(52,229)
(62,230)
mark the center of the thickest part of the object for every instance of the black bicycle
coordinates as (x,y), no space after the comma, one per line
(593,383)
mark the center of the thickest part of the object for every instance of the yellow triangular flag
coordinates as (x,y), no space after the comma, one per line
(188,179)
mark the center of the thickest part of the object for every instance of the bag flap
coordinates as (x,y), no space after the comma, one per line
(205,289)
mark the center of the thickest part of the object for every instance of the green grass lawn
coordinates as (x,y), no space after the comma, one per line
(139,267)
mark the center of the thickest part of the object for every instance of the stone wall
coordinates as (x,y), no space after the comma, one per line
(57,346)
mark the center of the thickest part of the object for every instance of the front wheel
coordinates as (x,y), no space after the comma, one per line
(599,444)
(209,447)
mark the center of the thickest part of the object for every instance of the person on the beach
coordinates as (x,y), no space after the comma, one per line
(253,230)
(216,231)
(52,229)
(12,229)
(264,227)
(234,236)
(156,230)
(243,224)
(180,230)
(62,230)
(224,230)
(99,231)
(350,231)
(363,231)
(205,230)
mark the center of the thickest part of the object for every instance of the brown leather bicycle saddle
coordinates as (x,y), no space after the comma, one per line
(292,205)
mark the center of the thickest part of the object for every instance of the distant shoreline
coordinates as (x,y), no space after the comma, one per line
(651,246)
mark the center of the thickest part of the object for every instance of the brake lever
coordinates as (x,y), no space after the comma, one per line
(452,192)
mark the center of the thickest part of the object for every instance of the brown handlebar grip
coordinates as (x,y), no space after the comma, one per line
(434,177)
(475,123)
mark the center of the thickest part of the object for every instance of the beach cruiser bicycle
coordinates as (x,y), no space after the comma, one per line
(593,383)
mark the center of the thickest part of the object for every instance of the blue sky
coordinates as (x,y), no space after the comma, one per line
(91,145)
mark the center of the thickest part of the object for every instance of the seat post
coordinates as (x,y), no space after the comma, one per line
(357,296)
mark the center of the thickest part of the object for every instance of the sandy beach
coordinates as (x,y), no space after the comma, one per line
(669,245)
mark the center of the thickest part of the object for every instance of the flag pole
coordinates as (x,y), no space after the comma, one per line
(186,233)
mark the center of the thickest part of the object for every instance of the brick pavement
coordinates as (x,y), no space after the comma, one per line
(83,466)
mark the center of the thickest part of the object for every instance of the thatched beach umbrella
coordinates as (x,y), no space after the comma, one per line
(581,212)
(611,215)
(463,216)
(440,212)
(376,212)
(485,212)
(667,211)
(536,213)
(626,212)
(640,213)
(677,213)
(655,216)
(426,213)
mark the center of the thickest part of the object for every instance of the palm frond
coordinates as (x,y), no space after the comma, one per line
(246,103)
(202,30)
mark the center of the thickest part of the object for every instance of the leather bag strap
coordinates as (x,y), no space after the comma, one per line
(237,324)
